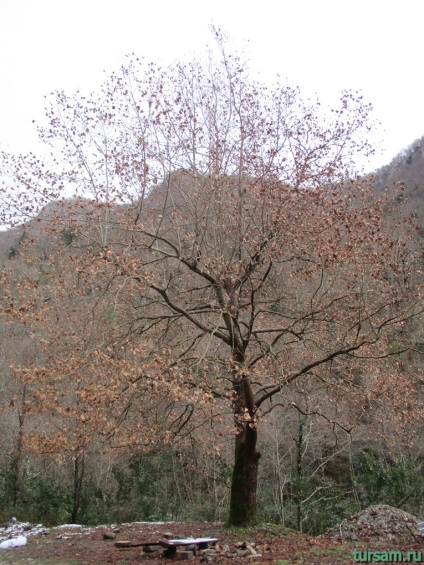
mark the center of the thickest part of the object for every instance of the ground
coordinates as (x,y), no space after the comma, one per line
(75,545)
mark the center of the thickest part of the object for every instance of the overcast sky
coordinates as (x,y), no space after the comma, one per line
(323,46)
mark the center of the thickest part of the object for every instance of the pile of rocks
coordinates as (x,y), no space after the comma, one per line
(240,549)
(189,547)
(378,523)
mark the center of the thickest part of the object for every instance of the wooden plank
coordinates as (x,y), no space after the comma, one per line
(129,543)
(186,541)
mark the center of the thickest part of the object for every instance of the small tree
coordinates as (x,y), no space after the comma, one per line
(261,261)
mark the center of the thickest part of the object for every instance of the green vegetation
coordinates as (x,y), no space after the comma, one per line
(164,485)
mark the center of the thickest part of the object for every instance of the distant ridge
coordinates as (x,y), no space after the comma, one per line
(406,167)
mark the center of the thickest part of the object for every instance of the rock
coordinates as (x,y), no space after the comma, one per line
(251,549)
(151,548)
(109,535)
(116,530)
(123,543)
(168,535)
(241,545)
(185,555)
(225,548)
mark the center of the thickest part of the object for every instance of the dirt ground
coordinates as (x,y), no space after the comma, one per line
(76,545)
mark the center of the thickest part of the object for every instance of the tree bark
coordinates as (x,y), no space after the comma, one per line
(78,481)
(246,457)
(19,453)
(245,479)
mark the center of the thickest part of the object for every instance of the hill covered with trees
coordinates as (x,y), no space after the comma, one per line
(407,168)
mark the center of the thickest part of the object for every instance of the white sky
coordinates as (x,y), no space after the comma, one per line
(324,46)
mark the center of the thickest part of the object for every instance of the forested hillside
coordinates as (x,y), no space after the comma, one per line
(407,168)
(224,322)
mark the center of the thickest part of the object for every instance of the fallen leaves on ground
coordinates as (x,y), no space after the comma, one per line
(78,545)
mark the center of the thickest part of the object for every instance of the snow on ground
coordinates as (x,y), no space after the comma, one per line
(150,523)
(14,529)
(14,542)
(14,533)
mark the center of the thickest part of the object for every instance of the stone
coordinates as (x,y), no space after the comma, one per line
(151,548)
(225,547)
(241,545)
(185,555)
(123,543)
(109,535)
(251,549)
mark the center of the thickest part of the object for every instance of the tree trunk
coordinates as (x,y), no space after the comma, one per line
(19,453)
(245,479)
(299,476)
(245,473)
(18,462)
(78,481)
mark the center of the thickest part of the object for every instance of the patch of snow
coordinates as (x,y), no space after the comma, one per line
(151,523)
(14,542)
(13,528)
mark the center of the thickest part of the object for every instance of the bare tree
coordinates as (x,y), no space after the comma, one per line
(261,259)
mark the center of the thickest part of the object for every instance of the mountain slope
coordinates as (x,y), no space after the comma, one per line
(407,168)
